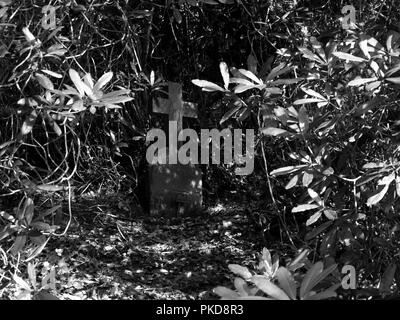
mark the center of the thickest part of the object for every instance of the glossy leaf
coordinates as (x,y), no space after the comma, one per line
(223,67)
(241,81)
(387,179)
(110,105)
(285,81)
(303,120)
(279,70)
(322,275)
(224,292)
(310,55)
(305,207)
(308,281)
(287,282)
(49,211)
(375,66)
(275,132)
(50,187)
(314,218)
(52,74)
(32,275)
(6,232)
(281,114)
(314,93)
(230,113)
(252,63)
(28,34)
(309,100)
(44,81)
(18,244)
(372,85)
(28,210)
(391,40)
(373,165)
(347,56)
(76,79)
(240,271)
(79,84)
(317,46)
(250,75)
(104,79)
(88,80)
(28,124)
(298,262)
(116,93)
(315,196)
(269,288)
(41,226)
(115,100)
(361,81)
(56,128)
(270,90)
(398,186)
(22,283)
(37,250)
(177,15)
(243,87)
(364,46)
(292,182)
(78,105)
(207,85)
(241,286)
(330,214)
(394,80)
(322,295)
(4,3)
(286,170)
(393,70)
(378,196)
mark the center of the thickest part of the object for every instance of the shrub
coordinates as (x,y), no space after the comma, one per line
(271,281)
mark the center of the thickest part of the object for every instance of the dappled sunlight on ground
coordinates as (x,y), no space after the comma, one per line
(115,256)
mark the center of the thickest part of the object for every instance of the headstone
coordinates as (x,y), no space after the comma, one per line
(175,189)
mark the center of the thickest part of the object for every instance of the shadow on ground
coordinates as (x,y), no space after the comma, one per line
(109,253)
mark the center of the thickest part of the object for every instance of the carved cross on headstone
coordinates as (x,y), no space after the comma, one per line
(174,106)
(175,188)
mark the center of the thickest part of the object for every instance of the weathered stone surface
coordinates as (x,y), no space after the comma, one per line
(175,189)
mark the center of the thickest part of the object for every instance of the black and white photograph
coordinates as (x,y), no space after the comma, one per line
(199,154)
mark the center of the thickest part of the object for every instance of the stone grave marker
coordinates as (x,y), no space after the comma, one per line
(175,189)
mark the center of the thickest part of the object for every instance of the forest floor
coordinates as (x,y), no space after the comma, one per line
(108,253)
